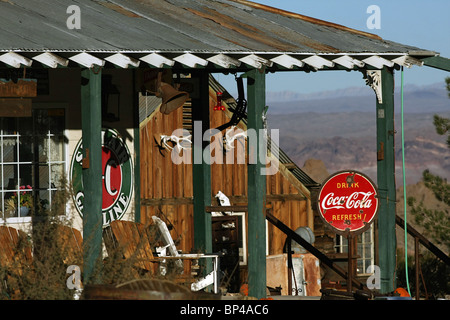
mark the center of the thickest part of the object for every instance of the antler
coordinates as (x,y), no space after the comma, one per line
(179,141)
(229,139)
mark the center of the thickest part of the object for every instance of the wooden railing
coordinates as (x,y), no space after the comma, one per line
(420,239)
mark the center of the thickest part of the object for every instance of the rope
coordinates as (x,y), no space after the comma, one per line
(404,190)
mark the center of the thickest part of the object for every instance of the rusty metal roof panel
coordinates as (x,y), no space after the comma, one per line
(202,26)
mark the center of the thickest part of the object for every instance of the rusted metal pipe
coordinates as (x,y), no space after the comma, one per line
(416,253)
(350,262)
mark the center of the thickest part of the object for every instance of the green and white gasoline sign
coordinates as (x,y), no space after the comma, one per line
(117,177)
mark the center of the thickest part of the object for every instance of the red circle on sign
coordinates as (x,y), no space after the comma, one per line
(111,178)
(348,202)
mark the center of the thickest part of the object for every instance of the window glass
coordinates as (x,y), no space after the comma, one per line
(364,246)
(9,204)
(9,149)
(32,161)
(26,148)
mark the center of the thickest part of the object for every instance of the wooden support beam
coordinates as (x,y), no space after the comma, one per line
(256,87)
(233,199)
(387,243)
(91,124)
(227,208)
(137,154)
(437,62)
(201,168)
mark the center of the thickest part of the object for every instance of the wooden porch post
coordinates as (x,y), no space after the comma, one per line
(91,125)
(201,168)
(256,87)
(387,243)
(137,154)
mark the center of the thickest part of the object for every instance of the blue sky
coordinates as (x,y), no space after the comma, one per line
(424,24)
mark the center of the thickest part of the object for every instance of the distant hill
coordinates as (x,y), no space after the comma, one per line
(339,128)
(430,98)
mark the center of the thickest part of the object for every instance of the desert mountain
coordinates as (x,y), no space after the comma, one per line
(339,128)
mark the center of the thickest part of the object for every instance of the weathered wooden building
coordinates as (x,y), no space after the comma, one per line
(87,59)
(167,186)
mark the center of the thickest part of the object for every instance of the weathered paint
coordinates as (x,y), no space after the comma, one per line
(256,91)
(387,243)
(92,170)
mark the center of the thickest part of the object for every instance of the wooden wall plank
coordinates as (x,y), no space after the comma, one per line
(161,179)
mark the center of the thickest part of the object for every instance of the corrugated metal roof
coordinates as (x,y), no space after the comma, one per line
(211,26)
(172,27)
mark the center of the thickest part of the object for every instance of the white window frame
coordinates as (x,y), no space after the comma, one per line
(342,247)
(17,135)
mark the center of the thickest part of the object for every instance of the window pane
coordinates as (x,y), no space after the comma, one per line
(26,149)
(9,203)
(9,178)
(360,266)
(41,121)
(9,149)
(367,235)
(56,148)
(57,175)
(43,176)
(26,174)
(50,148)
(43,150)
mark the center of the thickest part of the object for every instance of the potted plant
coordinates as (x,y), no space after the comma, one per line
(26,200)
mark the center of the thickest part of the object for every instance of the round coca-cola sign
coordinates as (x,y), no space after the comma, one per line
(348,202)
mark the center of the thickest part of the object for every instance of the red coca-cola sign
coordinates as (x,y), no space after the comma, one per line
(348,202)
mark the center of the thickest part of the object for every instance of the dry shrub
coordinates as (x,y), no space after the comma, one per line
(55,246)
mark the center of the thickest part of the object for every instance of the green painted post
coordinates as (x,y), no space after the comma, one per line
(256,93)
(137,155)
(91,125)
(387,243)
(137,175)
(201,168)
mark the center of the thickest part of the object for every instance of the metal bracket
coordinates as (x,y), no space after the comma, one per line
(85,164)
(380,153)
(373,80)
